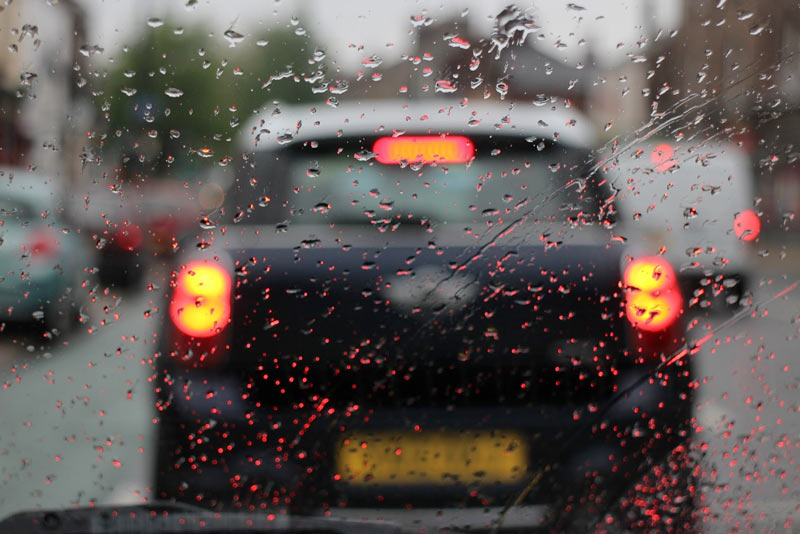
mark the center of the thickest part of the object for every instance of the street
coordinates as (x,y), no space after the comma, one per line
(78,419)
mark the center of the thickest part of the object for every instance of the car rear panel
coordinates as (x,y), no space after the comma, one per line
(327,345)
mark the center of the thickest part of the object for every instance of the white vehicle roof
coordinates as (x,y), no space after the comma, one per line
(292,124)
(36,189)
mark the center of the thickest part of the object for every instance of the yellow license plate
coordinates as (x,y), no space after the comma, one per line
(440,458)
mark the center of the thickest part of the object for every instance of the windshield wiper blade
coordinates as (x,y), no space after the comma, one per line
(169,518)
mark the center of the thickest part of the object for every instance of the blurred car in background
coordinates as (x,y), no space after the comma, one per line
(695,205)
(435,318)
(41,260)
(133,225)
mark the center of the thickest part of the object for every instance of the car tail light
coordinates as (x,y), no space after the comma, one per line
(653,300)
(747,225)
(201,302)
(423,149)
(42,244)
(129,237)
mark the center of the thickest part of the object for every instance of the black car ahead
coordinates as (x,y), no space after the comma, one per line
(402,312)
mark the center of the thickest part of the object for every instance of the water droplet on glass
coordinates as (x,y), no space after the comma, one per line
(233,37)
(284,138)
(155,22)
(445,86)
(27,78)
(339,87)
(371,62)
(173,92)
(364,155)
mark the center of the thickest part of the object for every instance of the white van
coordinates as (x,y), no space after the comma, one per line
(693,203)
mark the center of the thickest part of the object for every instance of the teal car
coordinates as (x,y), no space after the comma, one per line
(41,261)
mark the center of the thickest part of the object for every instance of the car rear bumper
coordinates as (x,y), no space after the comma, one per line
(290,454)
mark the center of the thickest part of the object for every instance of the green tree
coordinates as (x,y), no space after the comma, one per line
(175,101)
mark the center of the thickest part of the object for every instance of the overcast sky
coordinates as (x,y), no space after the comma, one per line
(383,27)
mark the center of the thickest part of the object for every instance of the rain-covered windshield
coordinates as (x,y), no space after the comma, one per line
(455,265)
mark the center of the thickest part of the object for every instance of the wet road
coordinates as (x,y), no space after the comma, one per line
(77,419)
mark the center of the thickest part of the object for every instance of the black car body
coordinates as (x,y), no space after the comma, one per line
(486,334)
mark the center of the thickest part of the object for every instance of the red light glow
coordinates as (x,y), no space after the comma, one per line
(653,299)
(201,305)
(129,237)
(747,225)
(423,149)
(661,157)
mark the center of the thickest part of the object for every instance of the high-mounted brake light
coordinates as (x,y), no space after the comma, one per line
(423,149)
(201,303)
(747,225)
(653,300)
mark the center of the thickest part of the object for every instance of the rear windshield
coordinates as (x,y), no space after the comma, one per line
(347,185)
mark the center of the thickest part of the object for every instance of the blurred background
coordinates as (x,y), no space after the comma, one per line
(128,112)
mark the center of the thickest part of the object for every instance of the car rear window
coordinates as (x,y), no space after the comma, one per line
(346,184)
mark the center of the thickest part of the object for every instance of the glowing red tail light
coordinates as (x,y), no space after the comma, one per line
(201,302)
(42,244)
(129,237)
(653,301)
(423,149)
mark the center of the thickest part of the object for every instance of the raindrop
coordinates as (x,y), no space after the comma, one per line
(445,86)
(371,62)
(128,91)
(173,92)
(155,22)
(364,155)
(502,89)
(540,100)
(284,138)
(233,37)
(458,42)
(90,50)
(339,87)
(27,78)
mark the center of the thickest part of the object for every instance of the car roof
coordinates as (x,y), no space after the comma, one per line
(285,125)
(30,187)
